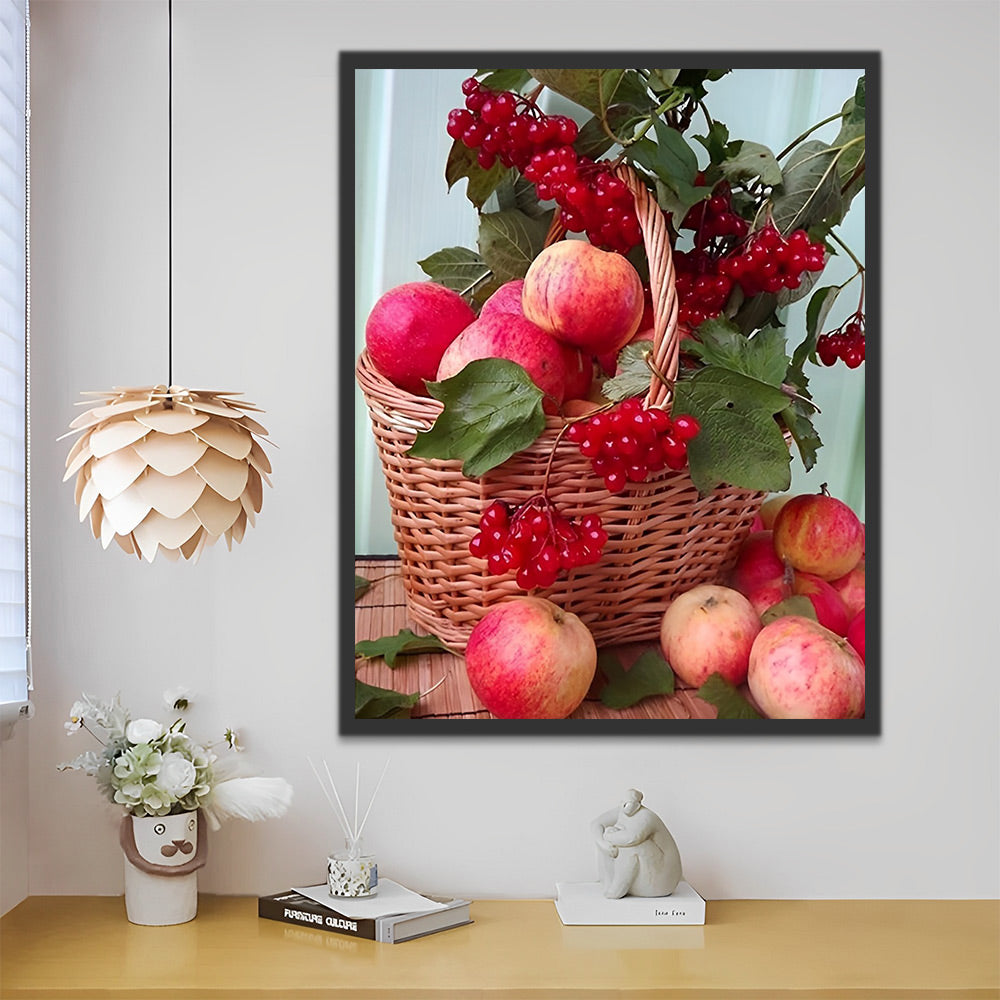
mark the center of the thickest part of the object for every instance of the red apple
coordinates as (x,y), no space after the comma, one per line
(769,508)
(409,329)
(856,633)
(579,372)
(768,593)
(830,610)
(709,630)
(800,670)
(584,296)
(756,563)
(851,588)
(506,299)
(819,534)
(529,659)
(504,335)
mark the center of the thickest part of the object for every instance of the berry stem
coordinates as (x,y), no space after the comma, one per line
(808,132)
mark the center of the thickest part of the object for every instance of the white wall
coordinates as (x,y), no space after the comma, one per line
(912,813)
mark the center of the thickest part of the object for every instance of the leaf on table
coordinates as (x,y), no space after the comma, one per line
(740,442)
(361,587)
(797,604)
(372,702)
(727,699)
(403,643)
(492,410)
(650,674)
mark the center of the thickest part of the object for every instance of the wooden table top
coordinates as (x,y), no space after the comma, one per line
(73,947)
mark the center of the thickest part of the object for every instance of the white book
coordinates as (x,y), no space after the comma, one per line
(405,926)
(585,903)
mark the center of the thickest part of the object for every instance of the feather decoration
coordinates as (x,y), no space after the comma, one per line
(252,799)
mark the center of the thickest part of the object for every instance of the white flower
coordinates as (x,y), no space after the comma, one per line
(177,775)
(143,731)
(232,739)
(74,724)
(177,699)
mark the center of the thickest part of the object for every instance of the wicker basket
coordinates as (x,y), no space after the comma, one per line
(663,538)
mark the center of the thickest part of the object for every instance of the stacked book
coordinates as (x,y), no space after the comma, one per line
(393,914)
(585,903)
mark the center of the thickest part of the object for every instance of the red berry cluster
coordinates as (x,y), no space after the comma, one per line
(702,292)
(714,218)
(628,442)
(536,540)
(504,126)
(846,343)
(770,262)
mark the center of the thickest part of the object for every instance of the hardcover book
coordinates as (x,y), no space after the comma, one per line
(294,908)
(585,903)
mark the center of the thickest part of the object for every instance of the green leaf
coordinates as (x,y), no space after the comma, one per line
(457,268)
(492,410)
(761,357)
(727,699)
(461,163)
(797,604)
(740,442)
(716,141)
(677,160)
(816,312)
(851,131)
(810,188)
(504,79)
(797,417)
(678,204)
(510,240)
(361,587)
(749,160)
(592,89)
(403,643)
(516,192)
(634,376)
(662,79)
(692,81)
(372,702)
(594,142)
(650,674)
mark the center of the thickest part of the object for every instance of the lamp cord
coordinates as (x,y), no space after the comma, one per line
(170,194)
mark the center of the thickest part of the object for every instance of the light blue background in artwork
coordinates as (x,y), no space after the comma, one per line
(405,213)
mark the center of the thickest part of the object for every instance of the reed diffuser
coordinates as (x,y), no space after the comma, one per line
(352,871)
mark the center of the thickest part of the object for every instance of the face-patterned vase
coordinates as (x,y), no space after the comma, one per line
(162,858)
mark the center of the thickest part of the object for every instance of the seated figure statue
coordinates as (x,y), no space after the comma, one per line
(637,855)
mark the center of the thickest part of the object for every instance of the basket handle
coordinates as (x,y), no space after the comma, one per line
(666,337)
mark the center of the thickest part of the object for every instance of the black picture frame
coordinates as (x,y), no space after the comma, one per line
(868,726)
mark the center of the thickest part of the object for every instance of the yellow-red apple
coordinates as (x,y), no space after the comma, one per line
(801,670)
(506,299)
(851,587)
(767,593)
(409,329)
(505,335)
(709,630)
(528,659)
(769,508)
(820,534)
(756,563)
(584,296)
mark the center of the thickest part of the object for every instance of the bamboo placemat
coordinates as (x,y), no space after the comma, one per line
(382,612)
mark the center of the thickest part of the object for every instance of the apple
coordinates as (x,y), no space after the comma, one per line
(769,508)
(856,633)
(756,563)
(504,335)
(528,659)
(506,299)
(579,372)
(801,670)
(709,630)
(830,610)
(584,296)
(768,593)
(820,534)
(409,329)
(851,588)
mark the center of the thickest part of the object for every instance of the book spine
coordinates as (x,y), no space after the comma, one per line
(309,914)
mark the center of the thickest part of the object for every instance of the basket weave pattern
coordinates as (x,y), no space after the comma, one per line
(663,538)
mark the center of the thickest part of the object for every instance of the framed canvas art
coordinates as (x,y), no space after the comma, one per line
(605,335)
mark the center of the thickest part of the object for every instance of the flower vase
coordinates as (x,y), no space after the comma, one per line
(162,858)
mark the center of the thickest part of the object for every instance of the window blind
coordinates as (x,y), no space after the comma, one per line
(15,681)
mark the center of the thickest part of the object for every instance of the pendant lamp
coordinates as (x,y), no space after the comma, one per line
(163,468)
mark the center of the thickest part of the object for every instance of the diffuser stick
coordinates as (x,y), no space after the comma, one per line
(341,818)
(343,811)
(374,794)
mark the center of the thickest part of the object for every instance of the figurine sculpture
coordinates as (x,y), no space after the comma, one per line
(637,856)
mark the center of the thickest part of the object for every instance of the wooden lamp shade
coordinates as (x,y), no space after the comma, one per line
(167,469)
